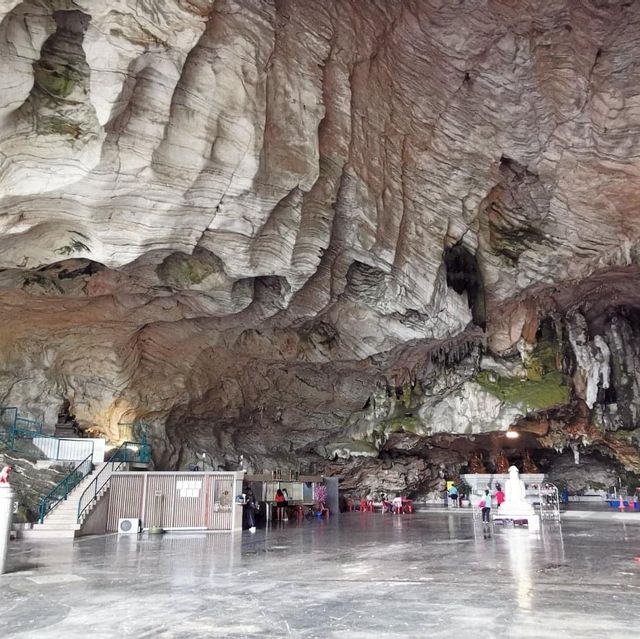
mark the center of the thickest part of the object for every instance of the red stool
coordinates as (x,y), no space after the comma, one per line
(350,505)
(363,505)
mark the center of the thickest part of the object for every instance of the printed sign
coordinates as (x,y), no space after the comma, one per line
(189,488)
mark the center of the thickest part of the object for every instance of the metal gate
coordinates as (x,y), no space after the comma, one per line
(173,500)
(549,502)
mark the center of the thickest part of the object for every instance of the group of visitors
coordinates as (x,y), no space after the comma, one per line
(485,502)
(396,505)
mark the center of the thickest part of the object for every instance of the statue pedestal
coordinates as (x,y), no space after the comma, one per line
(532,520)
(6,515)
(515,507)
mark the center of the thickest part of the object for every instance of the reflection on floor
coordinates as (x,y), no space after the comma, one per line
(356,576)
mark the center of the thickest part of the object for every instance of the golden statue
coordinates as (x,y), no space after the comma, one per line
(502,463)
(528,465)
(476,465)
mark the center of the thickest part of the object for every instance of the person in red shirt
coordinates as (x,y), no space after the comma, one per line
(499,495)
(281,504)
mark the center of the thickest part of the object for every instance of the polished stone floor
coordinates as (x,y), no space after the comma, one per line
(357,576)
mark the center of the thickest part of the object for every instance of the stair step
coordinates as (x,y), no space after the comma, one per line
(46,526)
(47,534)
(62,520)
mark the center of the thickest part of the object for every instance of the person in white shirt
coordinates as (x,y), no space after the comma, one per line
(485,504)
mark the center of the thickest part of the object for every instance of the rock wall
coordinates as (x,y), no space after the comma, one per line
(242,220)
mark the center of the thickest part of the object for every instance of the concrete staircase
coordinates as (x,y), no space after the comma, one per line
(62,520)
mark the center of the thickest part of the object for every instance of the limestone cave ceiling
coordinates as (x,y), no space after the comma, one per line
(346,231)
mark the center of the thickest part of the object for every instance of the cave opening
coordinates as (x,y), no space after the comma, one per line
(67,424)
(464,276)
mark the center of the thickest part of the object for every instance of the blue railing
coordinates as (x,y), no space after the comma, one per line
(129,452)
(35,445)
(61,490)
(132,453)
(13,427)
(8,416)
(32,425)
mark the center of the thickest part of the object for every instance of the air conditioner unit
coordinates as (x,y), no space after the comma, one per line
(129,526)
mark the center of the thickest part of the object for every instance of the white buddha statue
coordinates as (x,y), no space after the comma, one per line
(515,502)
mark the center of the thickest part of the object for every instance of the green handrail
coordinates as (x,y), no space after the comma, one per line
(12,425)
(125,453)
(21,441)
(33,425)
(62,489)
(8,416)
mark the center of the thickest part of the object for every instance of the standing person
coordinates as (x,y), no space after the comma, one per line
(485,504)
(453,495)
(499,495)
(280,505)
(248,512)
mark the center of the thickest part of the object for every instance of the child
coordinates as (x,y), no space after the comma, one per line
(485,504)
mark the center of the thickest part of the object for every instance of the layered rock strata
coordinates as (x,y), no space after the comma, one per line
(252,224)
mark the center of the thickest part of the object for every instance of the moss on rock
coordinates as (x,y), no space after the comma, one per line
(58,82)
(535,394)
(183,271)
(59,125)
(542,359)
(407,424)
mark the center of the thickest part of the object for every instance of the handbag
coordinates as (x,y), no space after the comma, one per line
(482,503)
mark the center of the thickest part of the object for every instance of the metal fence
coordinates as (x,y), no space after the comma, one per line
(62,449)
(61,490)
(8,416)
(168,500)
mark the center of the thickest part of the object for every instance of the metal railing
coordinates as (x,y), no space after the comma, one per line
(13,427)
(61,490)
(63,448)
(32,425)
(8,416)
(129,452)
(132,453)
(33,444)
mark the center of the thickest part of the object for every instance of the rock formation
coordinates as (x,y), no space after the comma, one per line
(334,232)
